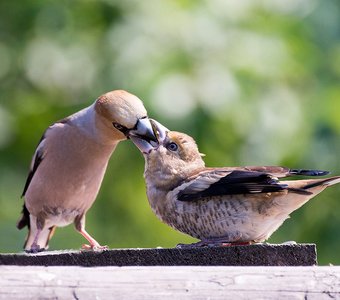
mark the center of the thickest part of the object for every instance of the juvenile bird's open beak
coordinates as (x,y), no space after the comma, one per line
(145,144)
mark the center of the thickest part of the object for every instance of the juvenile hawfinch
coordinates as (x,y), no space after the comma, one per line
(69,164)
(230,205)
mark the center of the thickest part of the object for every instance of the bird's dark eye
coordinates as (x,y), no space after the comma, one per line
(172,146)
(118,126)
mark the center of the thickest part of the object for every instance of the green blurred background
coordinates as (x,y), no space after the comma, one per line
(256,82)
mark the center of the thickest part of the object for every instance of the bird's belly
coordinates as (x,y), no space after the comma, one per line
(68,194)
(230,217)
(60,217)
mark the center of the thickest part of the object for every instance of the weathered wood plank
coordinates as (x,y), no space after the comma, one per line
(254,255)
(35,282)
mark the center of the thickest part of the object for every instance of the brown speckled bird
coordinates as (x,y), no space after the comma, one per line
(233,205)
(69,165)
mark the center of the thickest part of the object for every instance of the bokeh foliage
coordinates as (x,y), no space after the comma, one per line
(256,82)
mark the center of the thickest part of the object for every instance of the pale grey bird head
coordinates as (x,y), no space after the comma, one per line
(125,114)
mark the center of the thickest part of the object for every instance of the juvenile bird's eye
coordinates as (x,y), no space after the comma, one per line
(172,146)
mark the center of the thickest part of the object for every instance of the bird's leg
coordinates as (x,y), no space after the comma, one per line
(37,225)
(217,242)
(35,248)
(80,226)
(94,245)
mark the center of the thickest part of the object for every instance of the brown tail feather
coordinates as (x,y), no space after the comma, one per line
(25,218)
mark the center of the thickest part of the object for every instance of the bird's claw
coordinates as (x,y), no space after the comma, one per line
(35,248)
(94,247)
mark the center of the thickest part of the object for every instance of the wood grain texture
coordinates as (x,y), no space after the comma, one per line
(36,282)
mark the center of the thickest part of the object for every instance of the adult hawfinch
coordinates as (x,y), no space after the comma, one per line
(69,164)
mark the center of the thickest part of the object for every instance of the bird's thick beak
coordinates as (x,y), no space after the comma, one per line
(144,130)
(144,143)
(160,130)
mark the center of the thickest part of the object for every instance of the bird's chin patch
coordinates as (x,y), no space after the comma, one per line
(143,145)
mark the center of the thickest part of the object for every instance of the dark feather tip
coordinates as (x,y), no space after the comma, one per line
(308,172)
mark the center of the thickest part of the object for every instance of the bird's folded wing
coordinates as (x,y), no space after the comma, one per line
(40,152)
(220,182)
(36,160)
(279,172)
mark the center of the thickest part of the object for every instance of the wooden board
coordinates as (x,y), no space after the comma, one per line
(254,255)
(36,282)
